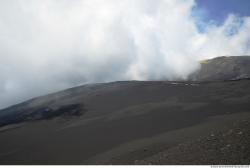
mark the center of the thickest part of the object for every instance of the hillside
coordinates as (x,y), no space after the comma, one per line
(133,122)
(223,68)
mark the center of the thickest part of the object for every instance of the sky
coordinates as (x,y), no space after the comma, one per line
(51,45)
(218,10)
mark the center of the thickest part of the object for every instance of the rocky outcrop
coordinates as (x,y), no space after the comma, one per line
(223,68)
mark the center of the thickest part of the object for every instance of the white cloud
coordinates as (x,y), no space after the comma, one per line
(48,45)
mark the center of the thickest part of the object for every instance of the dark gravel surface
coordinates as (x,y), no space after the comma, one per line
(230,146)
(132,122)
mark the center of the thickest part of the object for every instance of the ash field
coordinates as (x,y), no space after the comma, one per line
(203,120)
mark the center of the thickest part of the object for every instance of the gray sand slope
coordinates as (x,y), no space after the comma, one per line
(136,122)
(131,123)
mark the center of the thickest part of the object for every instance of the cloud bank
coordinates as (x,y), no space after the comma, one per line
(49,45)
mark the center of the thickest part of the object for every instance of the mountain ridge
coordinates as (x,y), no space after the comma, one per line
(212,70)
(222,68)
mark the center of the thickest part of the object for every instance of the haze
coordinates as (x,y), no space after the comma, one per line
(49,45)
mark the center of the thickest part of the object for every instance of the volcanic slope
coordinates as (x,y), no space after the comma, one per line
(127,123)
(223,68)
(132,122)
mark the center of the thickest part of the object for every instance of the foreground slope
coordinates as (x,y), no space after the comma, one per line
(131,123)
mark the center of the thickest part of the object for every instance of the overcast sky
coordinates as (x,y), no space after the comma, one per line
(50,45)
